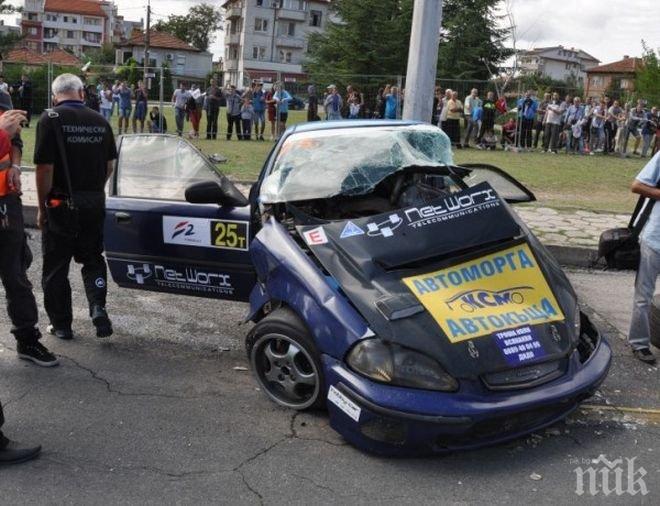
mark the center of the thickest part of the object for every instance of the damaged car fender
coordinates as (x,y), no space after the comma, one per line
(285,275)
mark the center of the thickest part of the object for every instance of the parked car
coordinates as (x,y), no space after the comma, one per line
(386,284)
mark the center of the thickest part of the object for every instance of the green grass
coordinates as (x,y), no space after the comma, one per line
(600,183)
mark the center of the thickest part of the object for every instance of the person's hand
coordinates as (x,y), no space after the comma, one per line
(11,121)
(41,218)
(14,179)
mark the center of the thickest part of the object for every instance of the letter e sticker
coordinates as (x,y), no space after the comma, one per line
(315,237)
(344,403)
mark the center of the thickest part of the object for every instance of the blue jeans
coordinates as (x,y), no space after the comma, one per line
(107,114)
(639,336)
(179,117)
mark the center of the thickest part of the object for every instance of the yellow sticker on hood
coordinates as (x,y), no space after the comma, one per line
(500,291)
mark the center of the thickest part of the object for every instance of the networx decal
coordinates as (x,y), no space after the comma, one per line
(181,278)
(504,290)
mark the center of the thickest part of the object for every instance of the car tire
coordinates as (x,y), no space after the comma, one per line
(286,362)
(655,321)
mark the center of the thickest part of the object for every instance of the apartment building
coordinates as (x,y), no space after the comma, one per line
(267,39)
(72,25)
(557,62)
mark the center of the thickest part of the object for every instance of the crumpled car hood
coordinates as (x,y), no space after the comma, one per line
(455,279)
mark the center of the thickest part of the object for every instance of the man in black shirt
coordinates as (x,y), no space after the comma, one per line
(213,97)
(89,148)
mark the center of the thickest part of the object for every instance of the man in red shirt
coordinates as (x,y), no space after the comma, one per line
(21,305)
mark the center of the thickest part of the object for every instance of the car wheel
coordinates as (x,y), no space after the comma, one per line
(655,321)
(286,362)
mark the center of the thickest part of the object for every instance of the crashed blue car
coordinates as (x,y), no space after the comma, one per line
(387,285)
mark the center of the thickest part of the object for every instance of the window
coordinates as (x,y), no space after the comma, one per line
(260,3)
(51,17)
(155,167)
(288,29)
(260,25)
(92,21)
(285,56)
(258,53)
(293,5)
(32,30)
(315,18)
(596,81)
(32,16)
(49,33)
(625,84)
(69,34)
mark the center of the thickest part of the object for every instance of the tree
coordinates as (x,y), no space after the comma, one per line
(471,41)
(647,78)
(8,40)
(372,37)
(197,28)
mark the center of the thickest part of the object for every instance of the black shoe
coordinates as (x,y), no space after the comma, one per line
(101,322)
(13,454)
(65,334)
(37,353)
(645,356)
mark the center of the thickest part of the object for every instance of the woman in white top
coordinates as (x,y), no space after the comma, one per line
(106,103)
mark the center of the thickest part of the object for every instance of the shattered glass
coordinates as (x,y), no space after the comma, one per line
(350,161)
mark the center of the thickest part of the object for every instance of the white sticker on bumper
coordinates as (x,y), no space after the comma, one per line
(344,403)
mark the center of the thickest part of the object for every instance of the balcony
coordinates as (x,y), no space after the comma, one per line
(233,12)
(293,42)
(293,15)
(230,65)
(232,38)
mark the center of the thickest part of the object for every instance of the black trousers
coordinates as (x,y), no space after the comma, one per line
(212,123)
(3,440)
(538,127)
(231,121)
(15,258)
(526,132)
(610,134)
(85,249)
(26,105)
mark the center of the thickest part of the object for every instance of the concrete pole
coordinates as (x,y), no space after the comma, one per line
(422,60)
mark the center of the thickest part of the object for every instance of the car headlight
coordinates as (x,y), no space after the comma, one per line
(393,364)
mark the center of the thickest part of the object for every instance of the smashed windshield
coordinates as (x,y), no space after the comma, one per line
(350,161)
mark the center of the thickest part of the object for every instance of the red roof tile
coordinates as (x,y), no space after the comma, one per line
(29,57)
(86,7)
(160,39)
(625,66)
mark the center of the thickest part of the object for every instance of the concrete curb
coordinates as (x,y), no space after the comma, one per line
(569,256)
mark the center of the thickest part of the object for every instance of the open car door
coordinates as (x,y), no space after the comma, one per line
(507,187)
(157,240)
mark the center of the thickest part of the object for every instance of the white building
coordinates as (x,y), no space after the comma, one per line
(557,62)
(267,39)
(185,62)
(72,25)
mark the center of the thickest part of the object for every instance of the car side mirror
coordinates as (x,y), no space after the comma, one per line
(215,192)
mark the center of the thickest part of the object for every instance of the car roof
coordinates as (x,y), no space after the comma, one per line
(351,123)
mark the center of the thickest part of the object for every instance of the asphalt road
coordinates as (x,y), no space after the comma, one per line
(158,414)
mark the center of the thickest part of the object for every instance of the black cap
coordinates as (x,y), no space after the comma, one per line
(5,102)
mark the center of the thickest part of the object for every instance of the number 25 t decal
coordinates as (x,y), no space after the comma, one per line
(229,234)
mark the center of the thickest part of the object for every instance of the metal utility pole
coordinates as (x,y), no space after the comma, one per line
(147,40)
(422,60)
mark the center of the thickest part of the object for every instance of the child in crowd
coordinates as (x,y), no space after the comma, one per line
(155,120)
(247,116)
(354,106)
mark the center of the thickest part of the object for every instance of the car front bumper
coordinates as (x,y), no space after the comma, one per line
(390,420)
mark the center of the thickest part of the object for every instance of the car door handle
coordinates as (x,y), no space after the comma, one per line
(121,217)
